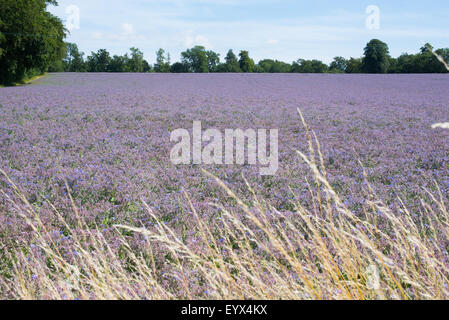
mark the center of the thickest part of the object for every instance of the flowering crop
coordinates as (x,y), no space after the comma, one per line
(99,145)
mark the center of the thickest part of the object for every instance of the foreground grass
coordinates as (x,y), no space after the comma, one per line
(323,251)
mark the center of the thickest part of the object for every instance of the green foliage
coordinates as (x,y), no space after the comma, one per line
(99,61)
(274,66)
(57,66)
(246,63)
(146,66)
(162,61)
(196,59)
(119,64)
(2,37)
(31,39)
(376,58)
(136,62)
(213,60)
(179,67)
(339,65)
(37,54)
(354,65)
(422,62)
(74,61)
(309,66)
(231,63)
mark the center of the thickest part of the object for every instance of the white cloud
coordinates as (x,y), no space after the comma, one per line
(128,29)
(126,32)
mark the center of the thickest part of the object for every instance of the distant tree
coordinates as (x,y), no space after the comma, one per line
(136,60)
(213,60)
(354,65)
(257,69)
(376,58)
(266,65)
(231,58)
(338,65)
(146,66)
(179,67)
(196,59)
(427,61)
(246,63)
(231,63)
(427,48)
(393,65)
(31,39)
(298,66)
(408,63)
(119,64)
(443,53)
(74,61)
(309,66)
(99,61)
(423,62)
(274,66)
(162,61)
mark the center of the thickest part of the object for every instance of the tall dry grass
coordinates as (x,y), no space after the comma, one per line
(321,252)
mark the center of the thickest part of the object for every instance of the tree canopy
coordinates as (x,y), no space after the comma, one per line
(376,58)
(162,61)
(30,39)
(309,66)
(198,59)
(246,63)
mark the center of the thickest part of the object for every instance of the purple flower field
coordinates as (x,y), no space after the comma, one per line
(108,136)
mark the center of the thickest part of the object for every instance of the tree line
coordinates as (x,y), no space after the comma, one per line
(376,59)
(32,42)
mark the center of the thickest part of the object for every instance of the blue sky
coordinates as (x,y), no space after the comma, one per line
(277,29)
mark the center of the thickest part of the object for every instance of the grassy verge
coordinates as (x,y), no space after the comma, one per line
(25,81)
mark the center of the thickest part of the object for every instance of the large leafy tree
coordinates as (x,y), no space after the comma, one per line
(274,66)
(74,61)
(231,63)
(136,62)
(309,66)
(179,67)
(338,65)
(31,38)
(196,59)
(376,58)
(423,62)
(99,61)
(213,60)
(119,64)
(162,61)
(354,65)
(246,63)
